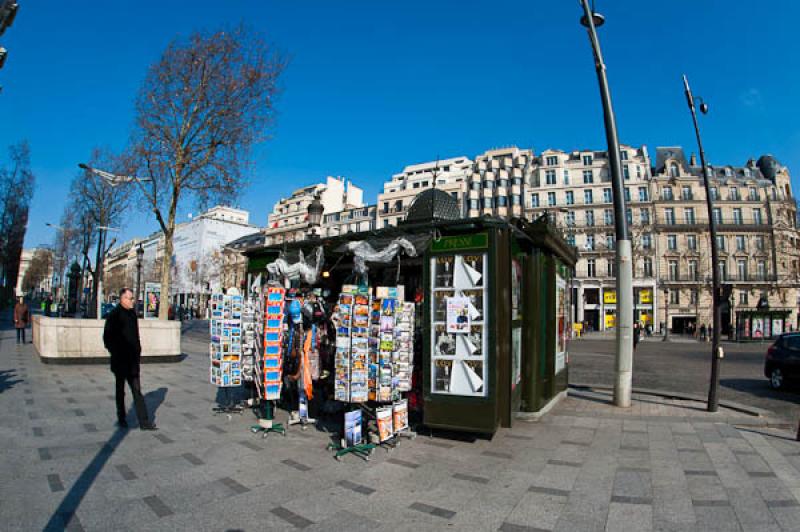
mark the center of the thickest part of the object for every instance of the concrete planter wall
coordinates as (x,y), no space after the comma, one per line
(65,340)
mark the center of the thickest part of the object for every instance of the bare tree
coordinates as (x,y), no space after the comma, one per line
(201,108)
(16,191)
(38,270)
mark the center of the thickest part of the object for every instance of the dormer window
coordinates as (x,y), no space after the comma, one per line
(673,170)
(728,172)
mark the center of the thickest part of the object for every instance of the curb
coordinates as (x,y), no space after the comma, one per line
(731,405)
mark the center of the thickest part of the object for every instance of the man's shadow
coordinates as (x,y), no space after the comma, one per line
(61,518)
(8,379)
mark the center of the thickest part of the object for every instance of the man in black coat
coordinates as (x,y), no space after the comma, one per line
(121,338)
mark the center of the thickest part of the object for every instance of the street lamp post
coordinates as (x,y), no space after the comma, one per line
(666,314)
(315,211)
(624,341)
(139,257)
(100,266)
(716,350)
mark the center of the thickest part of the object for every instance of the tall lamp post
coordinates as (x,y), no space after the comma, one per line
(624,342)
(139,257)
(666,314)
(716,293)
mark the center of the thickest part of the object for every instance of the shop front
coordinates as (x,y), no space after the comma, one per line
(761,324)
(489,300)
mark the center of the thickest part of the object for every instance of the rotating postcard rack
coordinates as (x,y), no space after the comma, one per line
(225,349)
(268,374)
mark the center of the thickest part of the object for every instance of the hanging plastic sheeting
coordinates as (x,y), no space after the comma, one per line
(363,253)
(300,270)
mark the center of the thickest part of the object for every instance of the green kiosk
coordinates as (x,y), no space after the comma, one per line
(493,307)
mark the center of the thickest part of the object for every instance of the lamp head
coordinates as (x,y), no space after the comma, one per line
(704,108)
(597,18)
(83,166)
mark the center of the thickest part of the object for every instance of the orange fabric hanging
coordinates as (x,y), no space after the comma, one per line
(307,385)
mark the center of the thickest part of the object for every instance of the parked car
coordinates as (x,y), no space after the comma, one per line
(782,362)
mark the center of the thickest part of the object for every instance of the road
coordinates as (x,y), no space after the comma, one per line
(685,367)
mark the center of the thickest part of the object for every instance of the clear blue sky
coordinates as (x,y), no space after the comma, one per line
(374,86)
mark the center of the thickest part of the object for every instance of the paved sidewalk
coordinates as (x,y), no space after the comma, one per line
(661,465)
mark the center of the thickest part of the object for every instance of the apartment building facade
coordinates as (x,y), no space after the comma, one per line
(498,180)
(449,175)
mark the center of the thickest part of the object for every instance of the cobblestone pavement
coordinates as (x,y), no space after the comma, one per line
(585,466)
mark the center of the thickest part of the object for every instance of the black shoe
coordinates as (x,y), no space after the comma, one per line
(122,424)
(148,426)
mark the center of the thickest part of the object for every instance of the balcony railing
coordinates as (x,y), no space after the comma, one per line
(726,278)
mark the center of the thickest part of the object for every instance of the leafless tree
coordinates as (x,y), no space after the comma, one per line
(201,108)
(38,270)
(16,191)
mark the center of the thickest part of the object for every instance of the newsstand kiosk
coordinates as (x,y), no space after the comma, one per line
(491,303)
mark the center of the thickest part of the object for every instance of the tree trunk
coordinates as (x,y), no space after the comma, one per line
(166,264)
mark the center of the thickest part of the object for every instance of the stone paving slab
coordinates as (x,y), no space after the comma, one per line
(585,466)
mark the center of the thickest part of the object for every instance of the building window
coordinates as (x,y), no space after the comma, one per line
(607,198)
(587,160)
(398,205)
(629,216)
(666,194)
(590,219)
(760,243)
(643,194)
(627,193)
(741,269)
(740,243)
(588,177)
(475,185)
(743,297)
(610,268)
(385,207)
(754,194)
(757,216)
(693,270)
(647,241)
(674,296)
(590,268)
(647,266)
(550,177)
(609,241)
(571,239)
(570,219)
(691,242)
(714,193)
(737,216)
(534,200)
(693,296)
(733,193)
(623,155)
(551,198)
(761,269)
(688,216)
(723,270)
(569,197)
(669,216)
(626,174)
(721,242)
(515,199)
(474,204)
(644,216)
(502,182)
(672,242)
(638,172)
(686,193)
(566,176)
(608,217)
(590,243)
(552,160)
(587,197)
(488,184)
(502,201)
(717,215)
(673,170)
(488,203)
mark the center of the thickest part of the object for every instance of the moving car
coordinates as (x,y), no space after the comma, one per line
(782,362)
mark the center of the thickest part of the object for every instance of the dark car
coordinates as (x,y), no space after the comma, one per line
(782,362)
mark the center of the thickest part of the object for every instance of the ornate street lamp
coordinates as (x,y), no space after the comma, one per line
(315,210)
(139,257)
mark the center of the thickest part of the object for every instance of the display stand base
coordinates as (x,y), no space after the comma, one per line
(304,422)
(231,409)
(362,450)
(266,426)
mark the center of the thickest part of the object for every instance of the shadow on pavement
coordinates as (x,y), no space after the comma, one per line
(8,379)
(761,388)
(61,518)
(768,434)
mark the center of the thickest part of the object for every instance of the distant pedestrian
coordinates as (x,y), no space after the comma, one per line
(637,334)
(22,316)
(121,338)
(703,332)
(47,306)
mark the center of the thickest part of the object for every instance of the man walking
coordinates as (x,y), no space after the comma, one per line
(22,316)
(121,338)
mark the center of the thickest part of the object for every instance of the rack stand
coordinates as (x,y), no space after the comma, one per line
(362,450)
(266,424)
(229,407)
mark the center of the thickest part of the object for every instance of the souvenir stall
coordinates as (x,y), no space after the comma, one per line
(441,316)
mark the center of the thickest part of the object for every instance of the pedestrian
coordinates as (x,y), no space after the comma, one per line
(121,338)
(47,306)
(637,334)
(22,316)
(703,332)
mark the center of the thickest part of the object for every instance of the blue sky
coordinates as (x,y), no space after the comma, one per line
(374,86)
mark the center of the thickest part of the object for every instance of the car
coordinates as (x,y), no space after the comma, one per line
(782,361)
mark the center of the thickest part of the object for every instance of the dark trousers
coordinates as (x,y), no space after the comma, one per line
(21,335)
(138,400)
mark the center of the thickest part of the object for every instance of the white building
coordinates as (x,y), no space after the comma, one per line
(24,263)
(449,175)
(289,218)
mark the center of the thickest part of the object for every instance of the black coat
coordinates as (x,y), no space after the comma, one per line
(121,338)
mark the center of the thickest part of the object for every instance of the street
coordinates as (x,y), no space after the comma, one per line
(684,366)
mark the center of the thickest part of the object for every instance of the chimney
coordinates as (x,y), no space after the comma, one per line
(693,160)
